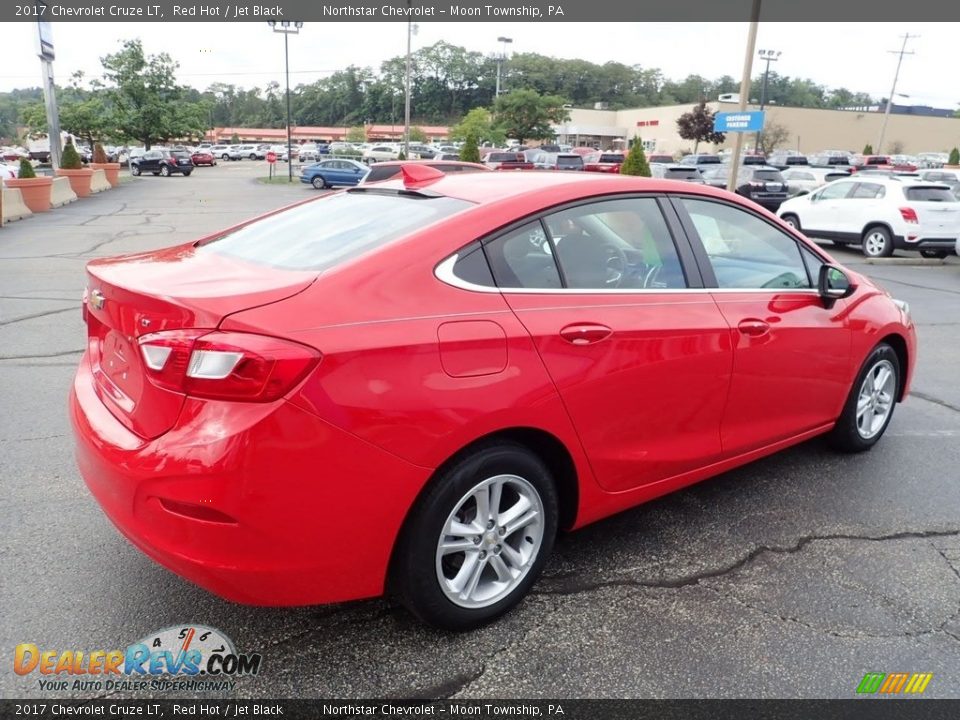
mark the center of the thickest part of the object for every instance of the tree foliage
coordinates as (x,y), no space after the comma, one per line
(697,125)
(417,134)
(868,149)
(478,124)
(954,158)
(636,161)
(26,169)
(356,134)
(71,158)
(772,136)
(525,115)
(470,152)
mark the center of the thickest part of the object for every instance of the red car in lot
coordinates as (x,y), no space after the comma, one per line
(605,162)
(203,157)
(411,387)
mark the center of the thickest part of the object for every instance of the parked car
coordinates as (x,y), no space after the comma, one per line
(499,160)
(220,151)
(379,153)
(701,161)
(764,185)
(442,363)
(308,152)
(880,162)
(754,159)
(329,173)
(685,173)
(950,178)
(882,214)
(251,152)
(804,179)
(557,161)
(162,162)
(661,158)
(203,157)
(831,159)
(786,160)
(9,171)
(391,168)
(606,162)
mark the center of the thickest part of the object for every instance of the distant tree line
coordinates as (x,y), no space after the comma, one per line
(446,82)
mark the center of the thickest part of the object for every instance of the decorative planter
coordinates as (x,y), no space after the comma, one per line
(79,180)
(111,169)
(35,191)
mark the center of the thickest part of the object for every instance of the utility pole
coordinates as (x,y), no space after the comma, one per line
(406,101)
(886,114)
(767,56)
(744,91)
(501,58)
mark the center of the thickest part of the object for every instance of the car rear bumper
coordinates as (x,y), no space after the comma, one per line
(264,504)
(925,243)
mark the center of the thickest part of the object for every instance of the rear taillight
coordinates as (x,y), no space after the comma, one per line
(909,215)
(225,365)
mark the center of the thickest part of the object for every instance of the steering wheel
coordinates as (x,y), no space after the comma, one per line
(617,264)
(651,276)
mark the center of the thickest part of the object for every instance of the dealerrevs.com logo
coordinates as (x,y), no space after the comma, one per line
(177,658)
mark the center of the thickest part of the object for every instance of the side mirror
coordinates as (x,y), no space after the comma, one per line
(803,192)
(833,284)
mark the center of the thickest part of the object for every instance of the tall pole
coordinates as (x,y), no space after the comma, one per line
(406,101)
(499,63)
(501,58)
(286,56)
(768,56)
(893,89)
(744,90)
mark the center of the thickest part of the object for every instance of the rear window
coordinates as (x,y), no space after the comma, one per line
(570,162)
(682,173)
(334,230)
(929,194)
(767,176)
(502,157)
(709,160)
(610,158)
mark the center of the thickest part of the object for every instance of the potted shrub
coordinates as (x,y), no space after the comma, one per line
(101,162)
(71,167)
(35,190)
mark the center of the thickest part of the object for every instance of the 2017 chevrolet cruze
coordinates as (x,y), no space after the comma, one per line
(412,386)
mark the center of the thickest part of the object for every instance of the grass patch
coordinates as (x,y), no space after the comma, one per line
(279,180)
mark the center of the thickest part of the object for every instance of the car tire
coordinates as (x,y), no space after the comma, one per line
(253,156)
(793,221)
(165,171)
(224,157)
(858,428)
(318,182)
(938,254)
(135,170)
(481,576)
(187,173)
(876,242)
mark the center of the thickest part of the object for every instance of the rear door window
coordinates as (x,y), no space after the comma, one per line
(929,194)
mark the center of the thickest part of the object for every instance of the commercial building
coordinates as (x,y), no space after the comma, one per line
(807,130)
(308,133)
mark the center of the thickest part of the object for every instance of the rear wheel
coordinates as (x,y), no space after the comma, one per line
(869,406)
(135,170)
(187,173)
(253,156)
(877,242)
(224,157)
(318,182)
(793,221)
(165,171)
(477,539)
(939,254)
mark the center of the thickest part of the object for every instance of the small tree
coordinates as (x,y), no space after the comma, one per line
(868,149)
(417,134)
(356,134)
(469,152)
(402,156)
(954,158)
(697,125)
(99,154)
(234,139)
(26,169)
(773,136)
(636,161)
(71,158)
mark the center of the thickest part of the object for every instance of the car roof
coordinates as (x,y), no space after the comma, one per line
(428,161)
(488,188)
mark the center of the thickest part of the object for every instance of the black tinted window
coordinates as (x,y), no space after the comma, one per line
(523,259)
(472,267)
(377,174)
(333,230)
(929,194)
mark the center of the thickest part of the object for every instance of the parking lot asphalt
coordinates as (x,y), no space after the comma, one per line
(791,577)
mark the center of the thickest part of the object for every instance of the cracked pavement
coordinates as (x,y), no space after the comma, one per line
(791,577)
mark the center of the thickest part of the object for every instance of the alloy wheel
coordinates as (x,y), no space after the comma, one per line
(875,400)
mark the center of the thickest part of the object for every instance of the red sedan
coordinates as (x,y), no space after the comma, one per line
(203,157)
(411,387)
(605,162)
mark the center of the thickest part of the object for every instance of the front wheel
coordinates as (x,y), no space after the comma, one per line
(318,182)
(877,242)
(165,171)
(224,157)
(187,173)
(793,221)
(478,538)
(869,406)
(135,170)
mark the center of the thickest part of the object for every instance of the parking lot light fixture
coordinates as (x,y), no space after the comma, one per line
(501,58)
(288,28)
(767,56)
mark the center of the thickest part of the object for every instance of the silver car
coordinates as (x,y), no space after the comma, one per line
(803,180)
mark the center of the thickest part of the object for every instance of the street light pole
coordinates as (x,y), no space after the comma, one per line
(287,28)
(744,90)
(406,100)
(767,56)
(500,59)
(893,90)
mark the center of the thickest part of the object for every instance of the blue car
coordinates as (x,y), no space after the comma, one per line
(328,173)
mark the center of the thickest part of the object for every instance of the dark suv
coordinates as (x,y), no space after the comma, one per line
(162,162)
(764,185)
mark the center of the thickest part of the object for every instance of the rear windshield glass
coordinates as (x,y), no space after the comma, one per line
(502,157)
(708,160)
(334,230)
(929,194)
(683,173)
(570,161)
(767,176)
(607,158)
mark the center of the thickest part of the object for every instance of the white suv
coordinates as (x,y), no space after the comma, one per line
(880,213)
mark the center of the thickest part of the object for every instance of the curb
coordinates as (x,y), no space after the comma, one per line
(904,261)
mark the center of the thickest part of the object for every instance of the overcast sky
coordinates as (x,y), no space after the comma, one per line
(851,55)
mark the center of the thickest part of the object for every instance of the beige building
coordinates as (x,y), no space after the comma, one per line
(807,130)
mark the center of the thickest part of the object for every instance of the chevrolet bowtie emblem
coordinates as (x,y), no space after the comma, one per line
(97,299)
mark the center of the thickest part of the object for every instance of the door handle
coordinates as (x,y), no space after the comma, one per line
(585,333)
(753,327)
